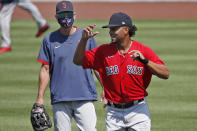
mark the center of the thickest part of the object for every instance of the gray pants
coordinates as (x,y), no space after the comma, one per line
(6,15)
(82,111)
(135,118)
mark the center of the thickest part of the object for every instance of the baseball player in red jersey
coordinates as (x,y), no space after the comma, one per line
(125,67)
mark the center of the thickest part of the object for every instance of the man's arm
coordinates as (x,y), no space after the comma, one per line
(80,50)
(44,78)
(159,70)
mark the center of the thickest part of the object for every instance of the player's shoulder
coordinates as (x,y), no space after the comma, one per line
(137,43)
(48,38)
(108,47)
(140,45)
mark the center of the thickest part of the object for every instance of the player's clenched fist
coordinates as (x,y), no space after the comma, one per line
(137,55)
(88,32)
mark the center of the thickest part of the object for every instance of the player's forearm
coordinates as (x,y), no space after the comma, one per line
(43,83)
(159,70)
(80,52)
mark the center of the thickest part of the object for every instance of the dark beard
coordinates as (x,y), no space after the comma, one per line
(115,42)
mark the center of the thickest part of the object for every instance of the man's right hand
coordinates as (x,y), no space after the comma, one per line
(88,32)
(102,99)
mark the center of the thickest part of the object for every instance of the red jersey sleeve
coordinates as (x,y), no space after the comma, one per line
(91,59)
(152,56)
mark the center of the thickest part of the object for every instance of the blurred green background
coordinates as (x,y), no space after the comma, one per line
(172,102)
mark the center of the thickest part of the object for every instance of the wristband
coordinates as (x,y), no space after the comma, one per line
(144,61)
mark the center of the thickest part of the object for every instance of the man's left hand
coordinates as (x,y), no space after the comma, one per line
(137,55)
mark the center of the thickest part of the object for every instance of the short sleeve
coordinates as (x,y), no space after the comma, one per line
(92,59)
(152,56)
(44,54)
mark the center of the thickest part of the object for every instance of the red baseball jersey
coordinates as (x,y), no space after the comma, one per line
(124,80)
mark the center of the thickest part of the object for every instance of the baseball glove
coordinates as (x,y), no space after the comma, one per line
(39,118)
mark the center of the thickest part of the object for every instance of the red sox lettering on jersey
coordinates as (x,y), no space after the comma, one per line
(112,70)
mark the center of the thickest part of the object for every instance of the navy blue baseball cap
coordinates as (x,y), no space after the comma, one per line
(64,6)
(119,19)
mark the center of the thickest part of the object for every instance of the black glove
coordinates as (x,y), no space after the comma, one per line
(39,118)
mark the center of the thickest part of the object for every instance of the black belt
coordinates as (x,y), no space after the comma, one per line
(124,105)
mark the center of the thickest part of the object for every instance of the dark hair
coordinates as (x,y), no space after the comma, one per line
(132,30)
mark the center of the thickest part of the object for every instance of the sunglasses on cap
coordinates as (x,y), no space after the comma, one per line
(65,14)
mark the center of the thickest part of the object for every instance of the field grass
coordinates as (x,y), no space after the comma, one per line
(172,103)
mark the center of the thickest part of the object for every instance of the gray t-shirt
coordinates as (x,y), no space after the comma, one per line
(68,82)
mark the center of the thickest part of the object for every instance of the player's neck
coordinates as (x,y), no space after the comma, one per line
(67,31)
(124,46)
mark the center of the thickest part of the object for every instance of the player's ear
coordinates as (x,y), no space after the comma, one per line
(126,29)
(74,15)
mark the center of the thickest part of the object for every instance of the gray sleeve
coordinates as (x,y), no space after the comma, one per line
(91,44)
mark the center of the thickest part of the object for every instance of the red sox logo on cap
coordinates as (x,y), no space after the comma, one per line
(64,5)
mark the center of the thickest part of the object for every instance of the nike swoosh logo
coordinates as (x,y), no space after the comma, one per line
(57,46)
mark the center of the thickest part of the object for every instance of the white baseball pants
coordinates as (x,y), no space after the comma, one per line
(82,111)
(135,118)
(6,16)
(33,10)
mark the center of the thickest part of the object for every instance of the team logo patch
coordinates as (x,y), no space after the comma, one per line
(109,56)
(64,5)
(58,46)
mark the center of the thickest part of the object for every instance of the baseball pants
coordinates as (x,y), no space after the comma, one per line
(6,16)
(33,10)
(82,111)
(135,118)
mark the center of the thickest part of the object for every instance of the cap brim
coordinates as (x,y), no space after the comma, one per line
(57,12)
(110,25)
